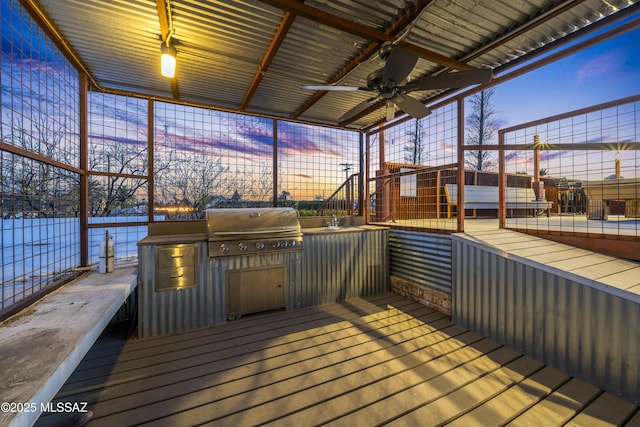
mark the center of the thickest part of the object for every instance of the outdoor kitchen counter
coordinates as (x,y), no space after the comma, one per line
(168,239)
(348,229)
(330,265)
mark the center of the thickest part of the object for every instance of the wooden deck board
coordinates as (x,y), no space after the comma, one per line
(369,360)
(606,410)
(225,343)
(634,421)
(558,407)
(514,401)
(231,381)
(448,408)
(359,390)
(411,399)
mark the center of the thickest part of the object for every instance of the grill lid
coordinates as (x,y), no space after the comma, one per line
(253,231)
(242,223)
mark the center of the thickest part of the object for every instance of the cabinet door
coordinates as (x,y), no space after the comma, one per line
(252,290)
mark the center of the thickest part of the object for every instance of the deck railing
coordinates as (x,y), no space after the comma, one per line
(343,201)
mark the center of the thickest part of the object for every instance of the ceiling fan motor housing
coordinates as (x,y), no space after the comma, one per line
(374,80)
(385,50)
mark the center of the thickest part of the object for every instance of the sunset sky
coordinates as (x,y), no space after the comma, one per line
(608,71)
(312,156)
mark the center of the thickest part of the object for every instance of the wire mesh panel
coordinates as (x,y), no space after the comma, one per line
(118,173)
(39,224)
(586,164)
(39,228)
(315,166)
(406,183)
(205,158)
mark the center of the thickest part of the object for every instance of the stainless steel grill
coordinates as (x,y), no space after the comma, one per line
(251,231)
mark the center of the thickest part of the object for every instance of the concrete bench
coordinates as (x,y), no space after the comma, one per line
(479,197)
(41,346)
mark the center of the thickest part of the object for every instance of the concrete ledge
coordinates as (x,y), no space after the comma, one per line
(41,346)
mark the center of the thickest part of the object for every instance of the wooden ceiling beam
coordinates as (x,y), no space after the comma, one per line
(363,31)
(164,19)
(401,23)
(277,40)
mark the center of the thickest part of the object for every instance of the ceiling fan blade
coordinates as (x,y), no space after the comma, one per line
(450,80)
(358,109)
(411,106)
(398,66)
(332,87)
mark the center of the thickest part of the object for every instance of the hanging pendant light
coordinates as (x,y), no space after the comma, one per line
(168,60)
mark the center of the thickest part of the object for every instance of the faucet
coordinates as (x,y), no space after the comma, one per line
(334,220)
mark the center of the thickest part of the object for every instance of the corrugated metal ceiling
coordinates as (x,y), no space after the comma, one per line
(230,55)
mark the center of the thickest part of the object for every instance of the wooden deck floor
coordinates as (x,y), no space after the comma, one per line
(370,361)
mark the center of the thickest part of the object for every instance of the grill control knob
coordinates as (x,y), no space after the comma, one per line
(260,245)
(293,243)
(276,244)
(224,248)
(242,246)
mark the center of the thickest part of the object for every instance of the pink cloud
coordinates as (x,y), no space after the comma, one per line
(301,175)
(605,64)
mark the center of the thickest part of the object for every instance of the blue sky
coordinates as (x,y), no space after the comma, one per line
(605,72)
(608,71)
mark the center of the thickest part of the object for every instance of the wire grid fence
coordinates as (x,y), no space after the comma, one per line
(39,201)
(118,174)
(406,183)
(205,158)
(588,163)
(586,179)
(314,169)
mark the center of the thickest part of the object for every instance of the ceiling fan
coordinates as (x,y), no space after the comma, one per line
(389,83)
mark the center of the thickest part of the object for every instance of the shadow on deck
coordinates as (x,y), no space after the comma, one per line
(367,361)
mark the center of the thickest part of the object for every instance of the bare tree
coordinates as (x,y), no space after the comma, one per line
(481,126)
(190,180)
(37,188)
(111,194)
(119,158)
(194,180)
(256,184)
(414,150)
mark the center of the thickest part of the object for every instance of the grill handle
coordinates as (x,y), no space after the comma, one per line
(272,231)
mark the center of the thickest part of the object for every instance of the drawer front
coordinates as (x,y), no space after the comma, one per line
(176,278)
(176,256)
